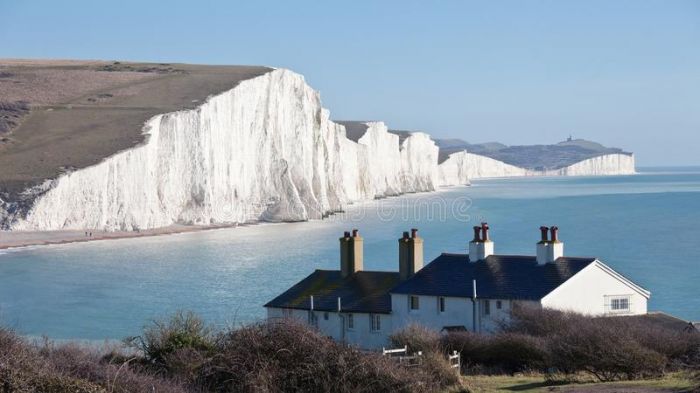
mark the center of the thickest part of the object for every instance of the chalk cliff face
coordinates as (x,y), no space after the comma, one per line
(461,167)
(263,151)
(419,156)
(604,165)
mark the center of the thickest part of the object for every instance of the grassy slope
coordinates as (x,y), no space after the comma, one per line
(78,124)
(676,382)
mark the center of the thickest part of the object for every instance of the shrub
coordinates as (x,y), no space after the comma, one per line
(175,345)
(417,338)
(47,368)
(604,351)
(288,356)
(541,322)
(501,352)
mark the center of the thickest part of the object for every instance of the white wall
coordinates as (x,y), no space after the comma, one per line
(458,312)
(361,335)
(588,292)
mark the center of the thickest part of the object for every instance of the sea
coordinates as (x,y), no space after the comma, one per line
(646,226)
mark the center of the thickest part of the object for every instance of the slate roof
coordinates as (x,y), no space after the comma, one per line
(497,277)
(364,291)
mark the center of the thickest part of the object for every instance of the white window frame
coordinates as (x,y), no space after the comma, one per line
(610,300)
(410,303)
(441,304)
(350,321)
(375,323)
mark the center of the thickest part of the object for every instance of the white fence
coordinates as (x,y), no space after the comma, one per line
(402,357)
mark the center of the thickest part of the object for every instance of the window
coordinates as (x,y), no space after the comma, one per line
(487,307)
(325,316)
(499,304)
(313,319)
(375,321)
(287,312)
(413,303)
(619,304)
(351,322)
(441,304)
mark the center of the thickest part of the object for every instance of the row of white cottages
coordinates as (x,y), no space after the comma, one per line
(473,291)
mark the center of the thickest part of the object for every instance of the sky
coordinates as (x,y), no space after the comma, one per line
(623,73)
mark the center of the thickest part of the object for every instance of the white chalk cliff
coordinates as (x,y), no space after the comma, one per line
(262,151)
(462,167)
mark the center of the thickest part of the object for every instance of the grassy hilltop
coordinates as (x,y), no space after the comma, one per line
(62,115)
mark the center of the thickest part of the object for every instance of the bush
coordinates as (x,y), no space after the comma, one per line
(175,345)
(605,352)
(501,352)
(183,355)
(288,356)
(46,368)
(417,338)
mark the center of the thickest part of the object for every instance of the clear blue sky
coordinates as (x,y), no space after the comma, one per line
(624,73)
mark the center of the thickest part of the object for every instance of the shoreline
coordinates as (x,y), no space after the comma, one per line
(20,239)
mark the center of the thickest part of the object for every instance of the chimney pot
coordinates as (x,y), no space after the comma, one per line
(355,232)
(410,255)
(554,233)
(543,231)
(346,234)
(484,232)
(481,247)
(549,250)
(477,234)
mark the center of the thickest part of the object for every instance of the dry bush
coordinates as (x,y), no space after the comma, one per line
(501,352)
(182,355)
(681,348)
(417,338)
(287,356)
(605,352)
(541,322)
(176,344)
(608,347)
(49,368)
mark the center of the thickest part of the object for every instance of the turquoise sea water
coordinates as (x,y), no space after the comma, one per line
(646,226)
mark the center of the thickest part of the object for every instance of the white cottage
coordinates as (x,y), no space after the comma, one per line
(473,291)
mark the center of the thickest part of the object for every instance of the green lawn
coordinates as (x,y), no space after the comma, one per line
(677,382)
